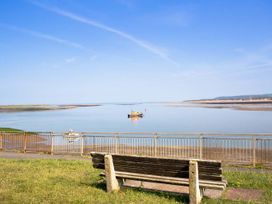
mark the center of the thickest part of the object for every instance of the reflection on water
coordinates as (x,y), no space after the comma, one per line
(157,118)
(135,119)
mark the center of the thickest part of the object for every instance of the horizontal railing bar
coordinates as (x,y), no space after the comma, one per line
(183,133)
(161,137)
(149,134)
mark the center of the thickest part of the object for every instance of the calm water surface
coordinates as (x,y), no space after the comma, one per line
(157,118)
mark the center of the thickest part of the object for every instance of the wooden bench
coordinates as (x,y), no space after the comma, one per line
(197,174)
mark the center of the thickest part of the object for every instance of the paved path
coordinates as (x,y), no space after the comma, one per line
(15,155)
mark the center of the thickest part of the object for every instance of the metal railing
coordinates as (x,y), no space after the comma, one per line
(232,148)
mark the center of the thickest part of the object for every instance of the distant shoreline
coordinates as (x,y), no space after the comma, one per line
(235,104)
(31,108)
(232,101)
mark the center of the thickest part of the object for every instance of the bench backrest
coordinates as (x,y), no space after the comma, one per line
(208,170)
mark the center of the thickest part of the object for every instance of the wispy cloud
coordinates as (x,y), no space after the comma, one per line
(255,60)
(196,71)
(70,60)
(249,63)
(260,66)
(148,46)
(45,36)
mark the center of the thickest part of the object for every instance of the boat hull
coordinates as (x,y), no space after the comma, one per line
(134,116)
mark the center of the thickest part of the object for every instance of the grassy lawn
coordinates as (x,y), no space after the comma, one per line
(13,130)
(72,181)
(4,129)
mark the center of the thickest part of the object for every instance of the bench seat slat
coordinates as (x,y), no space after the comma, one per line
(143,158)
(202,170)
(170,172)
(170,180)
(135,169)
(162,160)
(162,164)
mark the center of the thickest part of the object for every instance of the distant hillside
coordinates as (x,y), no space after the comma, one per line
(261,96)
(243,99)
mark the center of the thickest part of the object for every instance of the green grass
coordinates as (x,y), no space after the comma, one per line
(5,129)
(72,181)
(13,130)
(248,180)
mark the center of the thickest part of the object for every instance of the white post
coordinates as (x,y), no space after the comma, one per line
(155,138)
(82,145)
(116,143)
(112,183)
(254,151)
(25,139)
(200,146)
(52,143)
(194,191)
(94,148)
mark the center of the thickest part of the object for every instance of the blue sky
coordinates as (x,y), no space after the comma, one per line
(79,51)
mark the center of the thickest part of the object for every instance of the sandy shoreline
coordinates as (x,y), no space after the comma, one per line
(23,108)
(232,101)
(243,105)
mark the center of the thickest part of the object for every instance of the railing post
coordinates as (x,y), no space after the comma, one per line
(94,148)
(201,146)
(1,141)
(81,145)
(155,137)
(25,140)
(52,143)
(116,143)
(254,151)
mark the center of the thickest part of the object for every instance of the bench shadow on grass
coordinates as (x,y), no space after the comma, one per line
(181,198)
(100,184)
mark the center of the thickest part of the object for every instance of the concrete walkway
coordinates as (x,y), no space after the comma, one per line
(15,155)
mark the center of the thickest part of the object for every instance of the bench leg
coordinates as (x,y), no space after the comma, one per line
(194,190)
(112,183)
(201,192)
